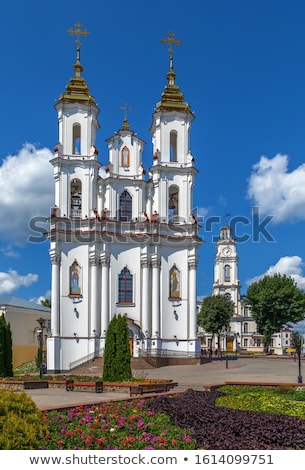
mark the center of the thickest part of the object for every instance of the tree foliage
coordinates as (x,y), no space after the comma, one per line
(215,314)
(6,355)
(275,301)
(117,353)
(46,303)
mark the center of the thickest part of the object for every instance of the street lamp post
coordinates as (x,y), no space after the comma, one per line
(298,343)
(41,322)
(300,379)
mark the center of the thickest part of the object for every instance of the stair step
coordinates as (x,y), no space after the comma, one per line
(95,367)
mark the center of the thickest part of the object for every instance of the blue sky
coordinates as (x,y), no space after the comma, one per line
(241,67)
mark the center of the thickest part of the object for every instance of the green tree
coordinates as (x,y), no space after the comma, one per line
(6,363)
(122,350)
(215,314)
(46,303)
(275,301)
(117,353)
(110,364)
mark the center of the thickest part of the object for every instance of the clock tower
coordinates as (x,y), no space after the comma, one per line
(226,268)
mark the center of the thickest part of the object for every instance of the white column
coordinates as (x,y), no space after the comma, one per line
(146,318)
(192,265)
(105,294)
(155,299)
(93,321)
(55,311)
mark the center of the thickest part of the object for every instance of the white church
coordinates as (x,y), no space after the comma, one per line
(123,240)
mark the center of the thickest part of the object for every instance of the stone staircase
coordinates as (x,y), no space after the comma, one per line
(95,367)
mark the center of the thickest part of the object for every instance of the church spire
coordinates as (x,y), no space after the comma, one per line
(172,98)
(77,89)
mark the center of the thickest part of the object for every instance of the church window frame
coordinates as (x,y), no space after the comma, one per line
(173,202)
(125,157)
(125,287)
(76,197)
(227,272)
(125,206)
(173,139)
(76,142)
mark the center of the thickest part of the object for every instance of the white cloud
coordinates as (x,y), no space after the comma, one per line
(27,189)
(11,281)
(276,191)
(290,265)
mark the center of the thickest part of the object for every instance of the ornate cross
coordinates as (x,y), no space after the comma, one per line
(79,32)
(170,39)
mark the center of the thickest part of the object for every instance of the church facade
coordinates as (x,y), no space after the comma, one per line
(123,240)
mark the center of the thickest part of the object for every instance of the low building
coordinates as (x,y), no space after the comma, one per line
(23,317)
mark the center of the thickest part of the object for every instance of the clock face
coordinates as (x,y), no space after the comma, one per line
(226,251)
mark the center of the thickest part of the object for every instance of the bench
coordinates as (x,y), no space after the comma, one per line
(71,385)
(149,388)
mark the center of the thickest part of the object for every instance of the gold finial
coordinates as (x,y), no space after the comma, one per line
(125,108)
(79,32)
(170,39)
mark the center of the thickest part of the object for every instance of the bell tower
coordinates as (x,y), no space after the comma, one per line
(173,170)
(226,267)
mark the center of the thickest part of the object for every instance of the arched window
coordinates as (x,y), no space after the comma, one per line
(76,198)
(125,212)
(173,146)
(125,286)
(173,200)
(76,140)
(125,157)
(227,273)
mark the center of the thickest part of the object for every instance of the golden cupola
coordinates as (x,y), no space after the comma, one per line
(172,98)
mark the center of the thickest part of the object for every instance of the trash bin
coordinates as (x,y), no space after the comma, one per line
(99,387)
(69,385)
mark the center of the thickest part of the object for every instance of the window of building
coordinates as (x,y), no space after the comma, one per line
(173,200)
(245,342)
(173,146)
(125,157)
(76,139)
(245,328)
(125,206)
(76,198)
(227,273)
(125,286)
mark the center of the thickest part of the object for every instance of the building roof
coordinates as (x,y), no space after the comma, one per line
(17,302)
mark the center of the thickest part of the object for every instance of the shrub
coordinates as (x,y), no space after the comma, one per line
(21,423)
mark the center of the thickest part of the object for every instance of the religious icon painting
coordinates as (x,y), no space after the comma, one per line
(174,283)
(75,279)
